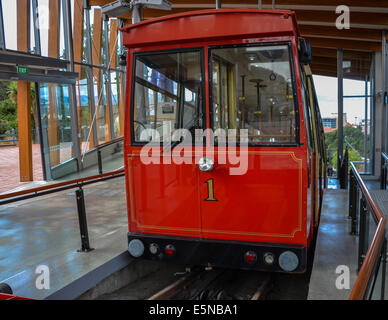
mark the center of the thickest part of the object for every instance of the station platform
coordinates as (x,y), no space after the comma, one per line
(44,231)
(335,247)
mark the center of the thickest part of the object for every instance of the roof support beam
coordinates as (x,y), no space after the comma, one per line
(24,96)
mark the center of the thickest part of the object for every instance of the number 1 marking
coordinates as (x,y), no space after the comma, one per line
(210,190)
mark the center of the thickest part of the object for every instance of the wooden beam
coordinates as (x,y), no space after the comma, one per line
(344,44)
(78,32)
(113,34)
(353,33)
(97,40)
(24,96)
(332,53)
(360,64)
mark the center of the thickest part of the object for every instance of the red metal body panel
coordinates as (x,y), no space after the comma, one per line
(4,296)
(269,202)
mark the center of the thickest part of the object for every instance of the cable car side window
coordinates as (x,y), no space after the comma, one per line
(167,93)
(252,88)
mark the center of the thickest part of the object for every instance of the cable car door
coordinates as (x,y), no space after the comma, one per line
(252,88)
(167,96)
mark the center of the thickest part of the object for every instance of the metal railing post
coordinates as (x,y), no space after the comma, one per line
(363,238)
(99,160)
(383,271)
(83,225)
(383,178)
(353,203)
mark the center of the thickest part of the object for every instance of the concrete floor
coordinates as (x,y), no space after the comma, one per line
(335,247)
(45,228)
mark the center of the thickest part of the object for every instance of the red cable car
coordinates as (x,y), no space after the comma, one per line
(224,151)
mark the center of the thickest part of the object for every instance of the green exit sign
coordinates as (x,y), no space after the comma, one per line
(22,70)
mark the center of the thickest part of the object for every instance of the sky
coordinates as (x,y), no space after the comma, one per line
(326,87)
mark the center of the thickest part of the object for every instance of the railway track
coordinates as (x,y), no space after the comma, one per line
(220,284)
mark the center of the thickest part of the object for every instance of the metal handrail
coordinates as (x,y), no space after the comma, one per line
(52,188)
(363,279)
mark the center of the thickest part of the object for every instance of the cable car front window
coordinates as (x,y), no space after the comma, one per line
(167,93)
(252,89)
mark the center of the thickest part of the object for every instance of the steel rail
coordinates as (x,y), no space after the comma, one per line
(363,279)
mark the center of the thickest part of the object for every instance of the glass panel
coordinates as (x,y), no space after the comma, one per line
(115,82)
(56,122)
(164,84)
(100,104)
(10,23)
(82,92)
(357,131)
(261,77)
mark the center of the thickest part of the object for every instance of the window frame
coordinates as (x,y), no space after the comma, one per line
(296,143)
(135,55)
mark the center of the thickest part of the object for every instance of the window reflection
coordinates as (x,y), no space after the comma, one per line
(167,93)
(252,89)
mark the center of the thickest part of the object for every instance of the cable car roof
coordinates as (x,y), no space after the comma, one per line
(211,24)
(316,22)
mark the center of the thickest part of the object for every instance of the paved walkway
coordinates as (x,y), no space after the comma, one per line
(9,167)
(335,248)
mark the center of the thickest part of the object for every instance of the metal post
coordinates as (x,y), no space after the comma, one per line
(99,161)
(108,83)
(366,127)
(383,177)
(35,17)
(260,4)
(383,271)
(89,71)
(40,132)
(83,225)
(363,238)
(136,14)
(218,4)
(384,68)
(123,68)
(372,123)
(340,109)
(273,4)
(2,36)
(66,7)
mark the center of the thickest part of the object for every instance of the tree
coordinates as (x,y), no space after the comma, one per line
(353,136)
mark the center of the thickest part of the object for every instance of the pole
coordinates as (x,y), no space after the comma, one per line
(89,71)
(83,225)
(72,93)
(136,14)
(340,109)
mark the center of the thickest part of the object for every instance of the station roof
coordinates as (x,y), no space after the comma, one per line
(316,22)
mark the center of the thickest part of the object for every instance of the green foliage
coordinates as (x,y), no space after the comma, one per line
(353,156)
(8,110)
(354,136)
